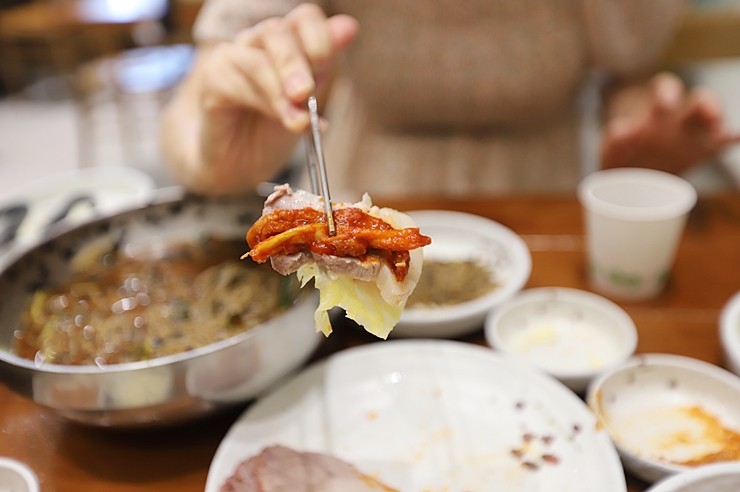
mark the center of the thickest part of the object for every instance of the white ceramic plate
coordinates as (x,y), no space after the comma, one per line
(432,416)
(463,236)
(667,412)
(719,477)
(729,333)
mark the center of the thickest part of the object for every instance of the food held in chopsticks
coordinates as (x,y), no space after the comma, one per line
(282,469)
(369,267)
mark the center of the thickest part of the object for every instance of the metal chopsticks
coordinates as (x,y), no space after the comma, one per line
(317,165)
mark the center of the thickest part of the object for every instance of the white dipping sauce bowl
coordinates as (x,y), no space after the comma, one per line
(571,334)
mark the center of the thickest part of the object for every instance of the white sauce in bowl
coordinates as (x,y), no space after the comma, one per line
(571,334)
(562,345)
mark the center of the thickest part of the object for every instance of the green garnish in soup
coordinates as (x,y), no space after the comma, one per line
(121,309)
(443,283)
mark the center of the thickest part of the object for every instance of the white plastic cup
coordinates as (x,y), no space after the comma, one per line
(634,220)
(16,476)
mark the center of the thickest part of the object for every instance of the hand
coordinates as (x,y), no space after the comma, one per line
(665,127)
(272,67)
(237,116)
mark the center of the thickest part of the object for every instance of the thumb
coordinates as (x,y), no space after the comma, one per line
(342,29)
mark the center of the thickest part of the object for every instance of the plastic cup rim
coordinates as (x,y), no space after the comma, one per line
(594,204)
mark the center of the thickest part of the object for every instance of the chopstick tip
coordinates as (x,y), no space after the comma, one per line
(313,105)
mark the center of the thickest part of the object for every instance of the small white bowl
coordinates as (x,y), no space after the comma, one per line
(718,477)
(571,334)
(729,333)
(667,413)
(463,236)
(17,477)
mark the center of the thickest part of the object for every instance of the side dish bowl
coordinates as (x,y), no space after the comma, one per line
(668,413)
(572,334)
(729,333)
(17,477)
(499,254)
(719,477)
(165,389)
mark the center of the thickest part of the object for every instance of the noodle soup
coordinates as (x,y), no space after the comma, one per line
(119,309)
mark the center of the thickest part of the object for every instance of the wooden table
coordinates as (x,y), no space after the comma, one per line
(683,320)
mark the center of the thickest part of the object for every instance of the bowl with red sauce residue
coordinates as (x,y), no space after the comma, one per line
(149,317)
(668,414)
(473,265)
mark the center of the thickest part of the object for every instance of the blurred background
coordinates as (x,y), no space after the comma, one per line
(82,82)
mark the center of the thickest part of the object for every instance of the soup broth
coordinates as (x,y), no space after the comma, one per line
(121,309)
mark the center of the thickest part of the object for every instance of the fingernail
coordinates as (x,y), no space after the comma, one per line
(298,84)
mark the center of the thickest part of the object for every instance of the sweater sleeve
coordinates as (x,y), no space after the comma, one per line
(627,38)
(221,20)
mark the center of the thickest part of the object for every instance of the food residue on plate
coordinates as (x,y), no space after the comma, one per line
(535,451)
(683,435)
(712,432)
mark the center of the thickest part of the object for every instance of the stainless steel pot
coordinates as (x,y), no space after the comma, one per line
(167,389)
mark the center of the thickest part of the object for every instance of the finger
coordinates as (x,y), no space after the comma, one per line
(258,70)
(288,58)
(311,26)
(703,122)
(321,38)
(726,140)
(668,93)
(294,78)
(224,85)
(245,77)
(343,30)
(702,112)
(619,142)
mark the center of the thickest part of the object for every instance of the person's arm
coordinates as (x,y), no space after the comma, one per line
(649,119)
(236,118)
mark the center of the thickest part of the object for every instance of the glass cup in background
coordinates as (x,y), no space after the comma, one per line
(634,220)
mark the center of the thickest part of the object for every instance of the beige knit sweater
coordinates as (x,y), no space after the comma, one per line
(464,97)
